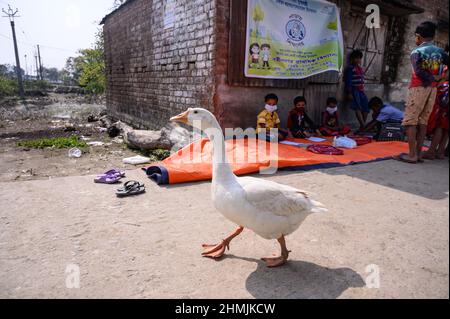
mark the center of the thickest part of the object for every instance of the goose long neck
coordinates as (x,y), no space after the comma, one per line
(221,167)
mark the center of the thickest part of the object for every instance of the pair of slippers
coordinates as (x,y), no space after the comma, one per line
(110,177)
(129,188)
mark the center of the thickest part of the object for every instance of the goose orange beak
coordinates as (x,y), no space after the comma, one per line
(182,118)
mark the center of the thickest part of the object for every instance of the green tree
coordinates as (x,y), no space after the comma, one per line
(3,69)
(88,68)
(258,16)
(51,74)
(92,66)
(70,74)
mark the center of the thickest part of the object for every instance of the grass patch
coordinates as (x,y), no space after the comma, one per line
(57,142)
(156,155)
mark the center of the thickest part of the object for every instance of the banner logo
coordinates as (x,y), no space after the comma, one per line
(295,30)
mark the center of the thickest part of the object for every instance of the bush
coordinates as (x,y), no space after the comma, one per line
(158,155)
(8,87)
(40,85)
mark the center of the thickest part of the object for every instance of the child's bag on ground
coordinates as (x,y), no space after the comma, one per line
(391,132)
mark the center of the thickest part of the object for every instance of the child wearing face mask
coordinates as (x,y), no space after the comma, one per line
(268,119)
(300,124)
(330,120)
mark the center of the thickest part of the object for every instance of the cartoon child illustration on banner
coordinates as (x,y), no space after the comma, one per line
(265,53)
(254,52)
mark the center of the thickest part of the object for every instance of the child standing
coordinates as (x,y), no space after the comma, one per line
(426,60)
(438,124)
(354,86)
(300,124)
(268,119)
(330,120)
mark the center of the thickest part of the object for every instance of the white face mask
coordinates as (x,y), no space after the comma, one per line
(332,110)
(271,108)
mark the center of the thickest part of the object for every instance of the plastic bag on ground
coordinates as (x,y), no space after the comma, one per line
(75,152)
(136,160)
(344,142)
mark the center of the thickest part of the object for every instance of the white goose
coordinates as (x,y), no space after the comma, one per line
(270,209)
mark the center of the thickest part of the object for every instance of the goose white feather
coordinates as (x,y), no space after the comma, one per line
(270,209)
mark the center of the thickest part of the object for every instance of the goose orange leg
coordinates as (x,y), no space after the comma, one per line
(217,251)
(281,260)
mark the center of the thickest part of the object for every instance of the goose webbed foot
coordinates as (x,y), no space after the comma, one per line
(215,251)
(272,262)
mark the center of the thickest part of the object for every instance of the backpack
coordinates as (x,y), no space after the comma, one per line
(391,132)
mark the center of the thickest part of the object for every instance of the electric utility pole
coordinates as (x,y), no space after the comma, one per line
(26,68)
(11,14)
(40,62)
(37,67)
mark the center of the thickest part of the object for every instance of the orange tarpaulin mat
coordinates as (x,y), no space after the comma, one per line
(194,162)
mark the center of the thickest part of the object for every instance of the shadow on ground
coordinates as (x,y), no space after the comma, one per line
(428,180)
(299,280)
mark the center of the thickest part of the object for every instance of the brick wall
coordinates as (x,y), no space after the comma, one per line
(154,72)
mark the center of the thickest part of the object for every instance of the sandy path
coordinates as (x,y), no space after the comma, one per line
(390,214)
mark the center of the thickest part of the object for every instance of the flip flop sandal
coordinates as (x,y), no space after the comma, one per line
(130,188)
(110,177)
(115,171)
(401,158)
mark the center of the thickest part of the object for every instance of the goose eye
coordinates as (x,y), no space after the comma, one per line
(195,112)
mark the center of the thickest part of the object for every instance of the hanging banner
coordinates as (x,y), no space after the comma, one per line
(292,39)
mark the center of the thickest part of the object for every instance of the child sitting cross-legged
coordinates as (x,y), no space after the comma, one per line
(268,120)
(330,120)
(300,124)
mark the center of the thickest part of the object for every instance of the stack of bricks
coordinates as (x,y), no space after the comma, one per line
(155,71)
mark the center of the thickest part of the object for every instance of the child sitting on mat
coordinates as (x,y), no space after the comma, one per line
(330,120)
(300,124)
(268,119)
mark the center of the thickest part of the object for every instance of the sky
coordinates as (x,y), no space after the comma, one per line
(60,27)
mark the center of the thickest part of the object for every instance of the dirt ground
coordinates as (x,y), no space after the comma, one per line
(55,116)
(387,217)
(388,224)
